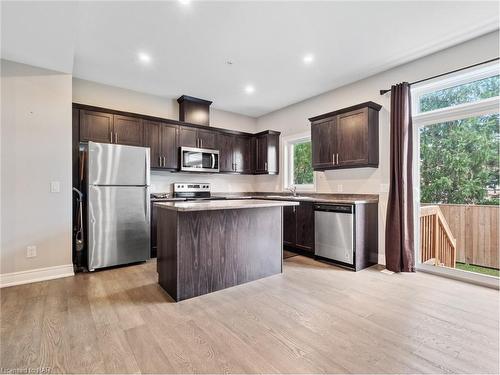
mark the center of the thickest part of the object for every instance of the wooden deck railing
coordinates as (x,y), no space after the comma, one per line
(437,244)
(476,229)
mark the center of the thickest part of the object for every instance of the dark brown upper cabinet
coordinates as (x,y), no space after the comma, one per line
(109,128)
(161,138)
(323,153)
(267,153)
(193,137)
(235,153)
(226,157)
(96,126)
(128,130)
(207,139)
(347,138)
(240,152)
(298,226)
(194,110)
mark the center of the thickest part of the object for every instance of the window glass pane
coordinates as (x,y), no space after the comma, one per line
(302,163)
(467,93)
(459,161)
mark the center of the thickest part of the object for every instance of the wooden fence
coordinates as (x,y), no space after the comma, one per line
(476,229)
(437,243)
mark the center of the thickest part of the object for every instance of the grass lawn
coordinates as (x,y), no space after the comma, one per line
(478,269)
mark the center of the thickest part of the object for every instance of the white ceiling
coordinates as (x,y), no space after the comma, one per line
(190,44)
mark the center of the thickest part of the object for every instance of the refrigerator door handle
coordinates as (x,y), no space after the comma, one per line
(146,204)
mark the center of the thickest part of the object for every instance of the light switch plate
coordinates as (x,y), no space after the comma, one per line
(340,188)
(55,187)
(384,188)
(30,251)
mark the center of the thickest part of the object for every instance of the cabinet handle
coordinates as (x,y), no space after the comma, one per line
(159,157)
(164,162)
(337,158)
(201,142)
(116,137)
(333,159)
(265,165)
(111,136)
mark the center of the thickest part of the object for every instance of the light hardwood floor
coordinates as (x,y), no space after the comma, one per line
(314,318)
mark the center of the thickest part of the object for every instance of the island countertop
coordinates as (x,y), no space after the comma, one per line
(223,204)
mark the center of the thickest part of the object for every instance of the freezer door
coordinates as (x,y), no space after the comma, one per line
(117,164)
(334,236)
(119,225)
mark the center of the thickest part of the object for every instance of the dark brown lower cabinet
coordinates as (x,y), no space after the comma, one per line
(154,215)
(289,225)
(305,226)
(298,226)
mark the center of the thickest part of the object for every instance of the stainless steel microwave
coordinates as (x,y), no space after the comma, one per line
(199,160)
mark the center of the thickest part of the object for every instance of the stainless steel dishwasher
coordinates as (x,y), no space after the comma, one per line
(334,233)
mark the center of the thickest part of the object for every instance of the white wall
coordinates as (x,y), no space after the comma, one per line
(93,93)
(35,149)
(293,119)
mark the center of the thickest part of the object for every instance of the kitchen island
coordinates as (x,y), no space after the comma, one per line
(212,245)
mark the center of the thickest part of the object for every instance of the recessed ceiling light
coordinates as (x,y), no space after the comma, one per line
(184,2)
(308,59)
(249,89)
(144,57)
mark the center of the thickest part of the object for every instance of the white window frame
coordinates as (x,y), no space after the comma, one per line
(422,119)
(288,143)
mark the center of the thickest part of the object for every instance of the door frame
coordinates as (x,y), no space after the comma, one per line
(484,107)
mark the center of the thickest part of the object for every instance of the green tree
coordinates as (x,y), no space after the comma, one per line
(302,163)
(459,160)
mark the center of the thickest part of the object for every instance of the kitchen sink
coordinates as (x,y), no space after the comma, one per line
(290,197)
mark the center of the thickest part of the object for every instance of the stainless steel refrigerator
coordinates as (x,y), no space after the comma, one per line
(118,205)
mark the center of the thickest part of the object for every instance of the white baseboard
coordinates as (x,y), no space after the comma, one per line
(32,276)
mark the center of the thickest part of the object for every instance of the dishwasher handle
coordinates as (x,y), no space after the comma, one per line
(345,209)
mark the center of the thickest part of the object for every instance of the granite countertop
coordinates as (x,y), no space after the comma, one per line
(230,204)
(307,197)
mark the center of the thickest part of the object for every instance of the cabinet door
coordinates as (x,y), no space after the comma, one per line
(352,138)
(305,226)
(152,140)
(267,160)
(289,230)
(261,154)
(225,146)
(168,146)
(128,130)
(207,139)
(96,126)
(323,142)
(188,137)
(242,154)
(273,151)
(154,216)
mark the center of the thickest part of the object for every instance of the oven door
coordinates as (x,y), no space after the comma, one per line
(199,160)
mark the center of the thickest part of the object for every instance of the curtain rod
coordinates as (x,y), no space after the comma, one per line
(382,92)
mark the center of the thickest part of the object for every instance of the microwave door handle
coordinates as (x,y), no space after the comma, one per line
(213,161)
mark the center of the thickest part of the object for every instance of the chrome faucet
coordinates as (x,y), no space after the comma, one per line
(293,190)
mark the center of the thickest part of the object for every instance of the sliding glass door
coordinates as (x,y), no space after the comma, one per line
(456,132)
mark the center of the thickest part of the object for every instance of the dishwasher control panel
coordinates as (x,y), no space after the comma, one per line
(348,209)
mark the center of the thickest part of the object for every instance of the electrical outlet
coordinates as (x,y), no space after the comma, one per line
(340,188)
(31,251)
(55,186)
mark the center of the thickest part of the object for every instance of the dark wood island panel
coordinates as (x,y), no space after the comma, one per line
(200,252)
